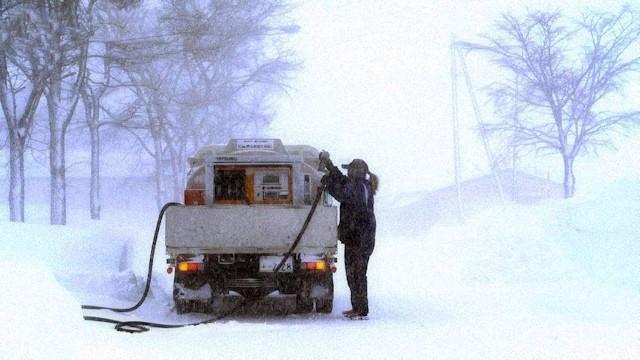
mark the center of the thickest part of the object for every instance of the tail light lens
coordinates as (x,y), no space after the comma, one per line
(319,265)
(189,266)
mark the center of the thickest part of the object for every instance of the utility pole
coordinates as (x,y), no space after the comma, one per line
(456,127)
(514,152)
(457,54)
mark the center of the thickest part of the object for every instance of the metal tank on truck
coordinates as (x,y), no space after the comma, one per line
(246,203)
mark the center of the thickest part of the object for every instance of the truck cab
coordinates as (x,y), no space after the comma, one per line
(245,204)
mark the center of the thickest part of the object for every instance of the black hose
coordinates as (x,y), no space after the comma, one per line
(151,256)
(304,228)
(142,326)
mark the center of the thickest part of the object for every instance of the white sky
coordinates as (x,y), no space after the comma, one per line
(376,84)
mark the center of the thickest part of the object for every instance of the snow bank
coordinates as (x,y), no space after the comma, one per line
(594,236)
(39,318)
(49,271)
(576,259)
(67,248)
(596,175)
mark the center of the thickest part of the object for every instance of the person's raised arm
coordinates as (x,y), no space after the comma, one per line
(334,180)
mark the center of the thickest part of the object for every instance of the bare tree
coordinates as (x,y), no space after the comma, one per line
(111,23)
(67,37)
(208,57)
(564,75)
(108,23)
(195,71)
(151,88)
(23,74)
(233,58)
(91,98)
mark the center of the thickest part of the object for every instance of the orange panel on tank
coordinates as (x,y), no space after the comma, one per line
(194,197)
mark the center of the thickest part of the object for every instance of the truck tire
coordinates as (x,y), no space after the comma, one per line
(324,306)
(182,307)
(304,304)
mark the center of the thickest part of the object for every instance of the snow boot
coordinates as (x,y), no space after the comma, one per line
(354,315)
(358,317)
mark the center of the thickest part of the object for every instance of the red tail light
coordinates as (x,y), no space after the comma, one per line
(189,266)
(319,265)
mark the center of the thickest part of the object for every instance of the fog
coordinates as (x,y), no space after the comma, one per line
(534,276)
(376,84)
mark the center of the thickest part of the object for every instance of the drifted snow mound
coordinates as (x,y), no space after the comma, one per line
(505,243)
(594,237)
(65,249)
(602,232)
(39,317)
(575,259)
(83,259)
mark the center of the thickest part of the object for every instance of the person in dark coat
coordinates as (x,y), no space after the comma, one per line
(357,228)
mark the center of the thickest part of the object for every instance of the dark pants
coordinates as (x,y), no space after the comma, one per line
(356,261)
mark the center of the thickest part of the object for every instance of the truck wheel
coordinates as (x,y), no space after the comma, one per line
(303,304)
(182,307)
(324,306)
(217,304)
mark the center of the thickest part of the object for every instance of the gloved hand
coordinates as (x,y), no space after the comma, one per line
(325,161)
(324,156)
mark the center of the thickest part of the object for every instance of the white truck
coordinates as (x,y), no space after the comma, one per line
(244,205)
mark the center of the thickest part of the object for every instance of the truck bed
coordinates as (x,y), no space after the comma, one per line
(228,229)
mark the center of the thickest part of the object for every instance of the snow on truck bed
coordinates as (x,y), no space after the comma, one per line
(556,280)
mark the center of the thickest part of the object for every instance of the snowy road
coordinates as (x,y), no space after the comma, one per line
(415,314)
(539,284)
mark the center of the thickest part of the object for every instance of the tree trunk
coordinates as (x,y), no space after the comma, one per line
(58,180)
(175,174)
(94,193)
(92,117)
(159,173)
(569,177)
(60,114)
(91,101)
(58,206)
(16,177)
(177,186)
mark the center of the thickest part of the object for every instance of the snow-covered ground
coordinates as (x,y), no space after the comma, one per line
(559,280)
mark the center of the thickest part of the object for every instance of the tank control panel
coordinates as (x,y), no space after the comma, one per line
(271,185)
